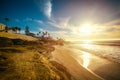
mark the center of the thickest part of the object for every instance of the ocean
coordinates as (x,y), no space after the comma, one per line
(106,49)
(99,57)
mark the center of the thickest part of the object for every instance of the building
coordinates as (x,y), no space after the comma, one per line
(2,27)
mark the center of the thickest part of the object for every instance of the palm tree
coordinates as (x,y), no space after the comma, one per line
(43,34)
(6,20)
(6,29)
(27,30)
(49,35)
(38,33)
(16,29)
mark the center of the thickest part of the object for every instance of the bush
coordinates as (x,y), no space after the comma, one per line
(23,42)
(5,42)
(18,41)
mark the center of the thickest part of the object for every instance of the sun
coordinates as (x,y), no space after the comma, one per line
(86,29)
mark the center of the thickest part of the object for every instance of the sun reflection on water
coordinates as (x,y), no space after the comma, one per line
(86,59)
(85,55)
(87,46)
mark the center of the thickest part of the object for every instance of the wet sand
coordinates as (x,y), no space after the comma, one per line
(71,58)
(63,56)
(103,67)
(107,69)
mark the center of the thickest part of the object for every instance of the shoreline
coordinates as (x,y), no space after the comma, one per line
(102,67)
(62,56)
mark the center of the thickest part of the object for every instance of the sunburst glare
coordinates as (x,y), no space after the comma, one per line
(86,29)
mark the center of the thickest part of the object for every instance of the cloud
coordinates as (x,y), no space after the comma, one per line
(54,34)
(117,21)
(33,20)
(28,19)
(62,23)
(66,30)
(71,32)
(22,31)
(110,27)
(39,21)
(17,20)
(48,8)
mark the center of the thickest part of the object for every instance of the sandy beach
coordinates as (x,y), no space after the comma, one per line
(63,56)
(102,66)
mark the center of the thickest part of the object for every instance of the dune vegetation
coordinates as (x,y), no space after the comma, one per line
(27,58)
(14,36)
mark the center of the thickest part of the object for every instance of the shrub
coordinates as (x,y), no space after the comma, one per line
(5,42)
(18,41)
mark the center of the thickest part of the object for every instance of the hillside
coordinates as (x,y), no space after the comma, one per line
(25,58)
(19,36)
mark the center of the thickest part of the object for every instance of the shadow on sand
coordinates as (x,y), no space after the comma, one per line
(109,71)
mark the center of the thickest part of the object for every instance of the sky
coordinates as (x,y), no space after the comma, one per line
(67,19)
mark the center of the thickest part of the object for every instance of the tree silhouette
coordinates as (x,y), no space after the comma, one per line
(6,20)
(38,33)
(43,34)
(49,35)
(6,28)
(16,29)
(19,29)
(27,30)
(13,29)
(46,34)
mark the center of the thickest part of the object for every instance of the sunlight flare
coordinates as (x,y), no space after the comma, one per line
(86,29)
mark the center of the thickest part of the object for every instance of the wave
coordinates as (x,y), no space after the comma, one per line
(106,51)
